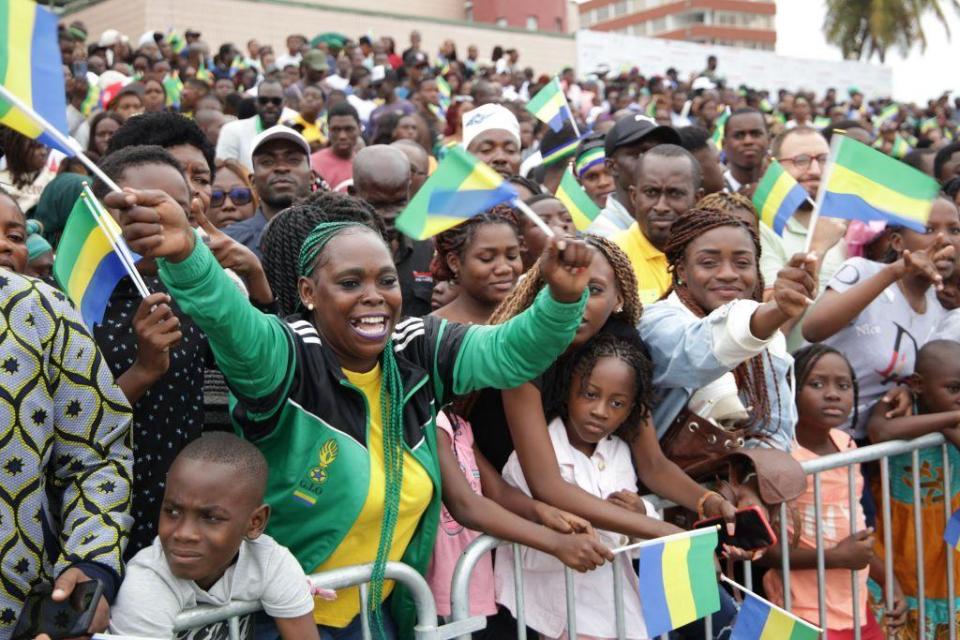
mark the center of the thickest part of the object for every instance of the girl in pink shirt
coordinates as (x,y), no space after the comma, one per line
(826,396)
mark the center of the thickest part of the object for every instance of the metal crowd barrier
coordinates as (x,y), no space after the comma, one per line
(426,628)
(462,623)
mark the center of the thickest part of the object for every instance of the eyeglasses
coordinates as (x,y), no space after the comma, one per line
(264,101)
(238,195)
(803,161)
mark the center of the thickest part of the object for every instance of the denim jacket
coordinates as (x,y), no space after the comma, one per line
(690,352)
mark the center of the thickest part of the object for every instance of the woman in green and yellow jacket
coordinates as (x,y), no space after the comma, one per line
(342,397)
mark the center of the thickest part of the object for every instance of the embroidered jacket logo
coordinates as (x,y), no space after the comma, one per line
(311,487)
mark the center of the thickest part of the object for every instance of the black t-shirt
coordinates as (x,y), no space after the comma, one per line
(413,267)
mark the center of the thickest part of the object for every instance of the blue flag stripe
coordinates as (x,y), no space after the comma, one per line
(453,202)
(851,207)
(788,207)
(656,613)
(751,620)
(105,278)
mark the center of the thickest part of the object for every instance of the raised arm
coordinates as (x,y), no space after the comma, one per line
(880,428)
(252,349)
(506,355)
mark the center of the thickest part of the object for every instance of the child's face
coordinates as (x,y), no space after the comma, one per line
(599,405)
(205,515)
(826,399)
(604,299)
(13,236)
(940,387)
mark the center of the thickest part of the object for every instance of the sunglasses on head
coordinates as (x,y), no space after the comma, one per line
(238,195)
(264,101)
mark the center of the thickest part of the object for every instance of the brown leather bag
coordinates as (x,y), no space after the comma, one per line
(698,446)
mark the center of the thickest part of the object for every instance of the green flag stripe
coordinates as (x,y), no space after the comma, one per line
(79,225)
(578,196)
(803,632)
(703,578)
(766,185)
(885,170)
(543,96)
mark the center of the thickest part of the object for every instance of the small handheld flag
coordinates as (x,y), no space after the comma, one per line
(89,263)
(777,197)
(30,69)
(952,533)
(678,583)
(864,184)
(460,188)
(582,209)
(550,106)
(761,620)
(718,127)
(560,153)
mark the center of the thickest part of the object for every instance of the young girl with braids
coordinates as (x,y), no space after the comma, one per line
(341,397)
(605,397)
(482,256)
(712,323)
(826,394)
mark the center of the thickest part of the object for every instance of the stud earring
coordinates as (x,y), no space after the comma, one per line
(309,306)
(679,282)
(619,310)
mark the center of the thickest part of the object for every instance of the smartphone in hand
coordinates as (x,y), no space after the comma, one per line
(752,530)
(68,619)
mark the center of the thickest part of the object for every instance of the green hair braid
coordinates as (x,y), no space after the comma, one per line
(315,243)
(391,397)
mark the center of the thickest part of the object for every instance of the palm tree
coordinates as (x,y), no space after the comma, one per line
(862,28)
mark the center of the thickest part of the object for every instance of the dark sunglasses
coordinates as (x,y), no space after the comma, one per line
(238,195)
(264,101)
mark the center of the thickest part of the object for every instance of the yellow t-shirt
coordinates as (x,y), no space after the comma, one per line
(649,263)
(360,544)
(311,131)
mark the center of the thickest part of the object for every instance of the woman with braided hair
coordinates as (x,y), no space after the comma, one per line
(713,321)
(285,233)
(341,398)
(482,256)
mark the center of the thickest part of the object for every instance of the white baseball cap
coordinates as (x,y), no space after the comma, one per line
(280,132)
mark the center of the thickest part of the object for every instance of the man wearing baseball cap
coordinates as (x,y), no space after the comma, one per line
(281,176)
(629,138)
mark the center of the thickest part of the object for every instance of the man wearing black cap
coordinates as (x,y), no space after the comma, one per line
(629,138)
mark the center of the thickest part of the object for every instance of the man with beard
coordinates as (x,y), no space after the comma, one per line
(666,184)
(237,138)
(281,175)
(381,176)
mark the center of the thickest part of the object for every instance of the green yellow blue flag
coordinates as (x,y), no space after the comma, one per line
(678,583)
(864,184)
(459,188)
(581,208)
(550,105)
(777,197)
(87,265)
(31,69)
(760,620)
(718,126)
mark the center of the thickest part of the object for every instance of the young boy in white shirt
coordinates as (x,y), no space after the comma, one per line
(211,550)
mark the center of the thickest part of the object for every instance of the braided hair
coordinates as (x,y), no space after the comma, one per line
(285,233)
(750,375)
(527,289)
(726,203)
(456,239)
(628,349)
(391,398)
(807,358)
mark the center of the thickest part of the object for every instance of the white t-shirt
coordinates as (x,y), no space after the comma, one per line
(150,597)
(883,341)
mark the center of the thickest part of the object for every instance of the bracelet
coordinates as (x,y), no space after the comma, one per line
(703,500)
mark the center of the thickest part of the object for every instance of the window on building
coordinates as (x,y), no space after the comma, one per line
(468,13)
(658,26)
(620,8)
(603,13)
(532,23)
(501,22)
(558,24)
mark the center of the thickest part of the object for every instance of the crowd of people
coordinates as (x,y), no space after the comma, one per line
(308,388)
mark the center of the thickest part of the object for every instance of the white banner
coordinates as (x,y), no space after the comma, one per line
(756,69)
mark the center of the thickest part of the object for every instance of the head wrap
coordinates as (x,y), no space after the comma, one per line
(56,202)
(489,116)
(36,247)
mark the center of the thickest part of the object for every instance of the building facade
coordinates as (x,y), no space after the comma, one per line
(532,15)
(739,23)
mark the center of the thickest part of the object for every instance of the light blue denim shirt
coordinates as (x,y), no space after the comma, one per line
(690,352)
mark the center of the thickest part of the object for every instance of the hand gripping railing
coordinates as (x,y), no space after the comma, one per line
(462,623)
